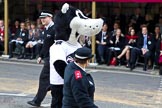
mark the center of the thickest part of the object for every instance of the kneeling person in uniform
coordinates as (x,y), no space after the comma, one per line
(79,87)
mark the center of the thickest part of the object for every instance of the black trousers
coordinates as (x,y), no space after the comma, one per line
(20,47)
(12,46)
(44,83)
(57,95)
(1,47)
(135,52)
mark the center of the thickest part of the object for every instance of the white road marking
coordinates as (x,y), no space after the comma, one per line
(46,105)
(13,94)
(89,70)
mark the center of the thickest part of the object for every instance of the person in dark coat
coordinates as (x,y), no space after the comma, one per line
(19,41)
(79,87)
(157,37)
(116,45)
(49,37)
(14,29)
(150,23)
(136,19)
(101,41)
(118,17)
(145,47)
(158,15)
(158,48)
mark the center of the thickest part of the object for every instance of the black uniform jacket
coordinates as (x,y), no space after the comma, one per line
(78,91)
(150,42)
(49,36)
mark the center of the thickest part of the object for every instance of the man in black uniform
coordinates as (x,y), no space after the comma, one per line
(79,87)
(49,36)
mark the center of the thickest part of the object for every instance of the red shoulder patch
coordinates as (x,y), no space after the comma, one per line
(78,74)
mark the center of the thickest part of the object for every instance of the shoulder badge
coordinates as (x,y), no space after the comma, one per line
(78,74)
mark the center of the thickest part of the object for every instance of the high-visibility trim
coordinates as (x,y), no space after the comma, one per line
(44,14)
(80,57)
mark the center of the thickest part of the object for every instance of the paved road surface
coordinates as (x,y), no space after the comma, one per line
(114,88)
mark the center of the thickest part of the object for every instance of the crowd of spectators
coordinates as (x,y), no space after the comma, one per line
(25,38)
(121,41)
(126,41)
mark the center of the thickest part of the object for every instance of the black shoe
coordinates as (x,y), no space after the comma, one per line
(132,67)
(150,67)
(118,61)
(10,56)
(100,63)
(160,73)
(102,60)
(33,103)
(20,57)
(32,57)
(160,70)
(26,57)
(145,68)
(128,65)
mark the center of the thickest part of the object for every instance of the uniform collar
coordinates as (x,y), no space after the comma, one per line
(79,66)
(49,25)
